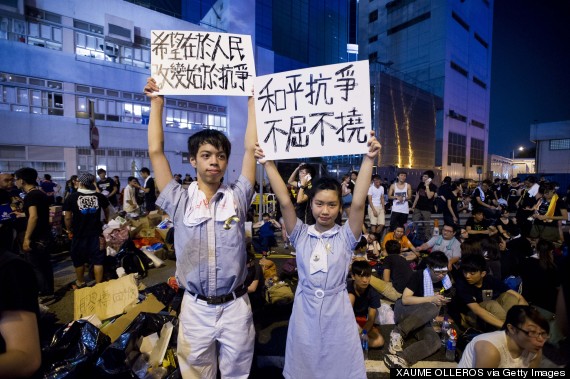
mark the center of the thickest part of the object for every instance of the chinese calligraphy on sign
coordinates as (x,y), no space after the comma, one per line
(202,63)
(314,112)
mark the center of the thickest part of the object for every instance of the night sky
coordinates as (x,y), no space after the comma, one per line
(530,74)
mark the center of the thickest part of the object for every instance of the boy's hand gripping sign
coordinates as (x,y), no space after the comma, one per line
(314,112)
(202,63)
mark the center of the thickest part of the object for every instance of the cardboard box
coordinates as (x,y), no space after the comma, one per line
(154,218)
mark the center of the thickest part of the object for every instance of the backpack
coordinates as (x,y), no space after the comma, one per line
(279,293)
(133,260)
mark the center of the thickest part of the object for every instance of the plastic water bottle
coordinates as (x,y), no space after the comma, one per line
(364,342)
(436,227)
(450,346)
(444,329)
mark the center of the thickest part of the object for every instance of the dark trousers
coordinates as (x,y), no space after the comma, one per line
(263,244)
(39,258)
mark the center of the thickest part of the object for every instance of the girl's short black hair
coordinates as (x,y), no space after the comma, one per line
(327,183)
(518,314)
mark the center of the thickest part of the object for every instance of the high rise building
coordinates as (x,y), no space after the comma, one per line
(443,46)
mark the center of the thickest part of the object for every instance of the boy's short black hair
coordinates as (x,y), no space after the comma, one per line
(101,171)
(393,247)
(27,174)
(476,211)
(436,259)
(473,263)
(209,136)
(47,176)
(130,178)
(265,215)
(376,176)
(402,172)
(145,170)
(429,173)
(361,268)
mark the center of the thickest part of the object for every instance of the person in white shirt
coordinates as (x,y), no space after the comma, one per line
(130,196)
(376,212)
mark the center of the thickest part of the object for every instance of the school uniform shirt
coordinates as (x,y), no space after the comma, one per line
(322,339)
(369,299)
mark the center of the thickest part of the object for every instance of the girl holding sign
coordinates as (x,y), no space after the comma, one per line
(322,340)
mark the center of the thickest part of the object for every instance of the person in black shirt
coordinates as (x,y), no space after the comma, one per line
(551,210)
(107,186)
(414,312)
(478,227)
(6,213)
(83,220)
(423,203)
(365,301)
(37,238)
(149,190)
(483,198)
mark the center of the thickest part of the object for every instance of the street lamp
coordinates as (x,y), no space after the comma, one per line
(520,148)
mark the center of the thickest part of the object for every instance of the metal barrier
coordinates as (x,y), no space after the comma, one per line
(268,205)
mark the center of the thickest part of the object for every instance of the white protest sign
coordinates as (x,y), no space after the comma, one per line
(314,112)
(202,63)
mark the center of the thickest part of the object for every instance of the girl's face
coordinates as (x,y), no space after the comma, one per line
(325,207)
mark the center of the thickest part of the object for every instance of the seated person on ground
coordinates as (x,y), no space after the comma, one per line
(478,227)
(396,268)
(445,242)
(482,300)
(365,301)
(414,312)
(373,247)
(265,239)
(408,250)
(517,345)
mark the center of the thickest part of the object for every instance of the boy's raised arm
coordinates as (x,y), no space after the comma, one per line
(160,165)
(248,164)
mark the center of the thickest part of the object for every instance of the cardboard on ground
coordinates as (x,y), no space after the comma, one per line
(106,299)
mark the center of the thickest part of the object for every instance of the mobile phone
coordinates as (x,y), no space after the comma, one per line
(487,295)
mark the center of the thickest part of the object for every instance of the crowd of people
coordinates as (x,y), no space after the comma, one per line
(498,274)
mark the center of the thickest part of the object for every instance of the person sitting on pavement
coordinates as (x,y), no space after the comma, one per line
(478,227)
(396,268)
(414,312)
(266,234)
(365,302)
(518,344)
(445,242)
(482,300)
(408,249)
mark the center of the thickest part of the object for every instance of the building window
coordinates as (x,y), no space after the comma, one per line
(479,82)
(478,124)
(373,16)
(374,38)
(459,69)
(481,41)
(456,147)
(408,23)
(460,21)
(477,152)
(30,95)
(560,144)
(457,116)
(373,56)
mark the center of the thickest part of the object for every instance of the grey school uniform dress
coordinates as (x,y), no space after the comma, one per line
(322,340)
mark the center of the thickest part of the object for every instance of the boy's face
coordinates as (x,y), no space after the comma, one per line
(474,277)
(377,183)
(478,217)
(210,163)
(402,178)
(361,281)
(398,233)
(265,218)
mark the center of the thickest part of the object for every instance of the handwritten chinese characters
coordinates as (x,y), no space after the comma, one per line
(106,299)
(318,111)
(201,62)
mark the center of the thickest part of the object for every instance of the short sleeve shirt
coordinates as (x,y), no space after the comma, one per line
(86,210)
(40,200)
(451,248)
(416,284)
(369,299)
(199,270)
(376,194)
(400,271)
(467,293)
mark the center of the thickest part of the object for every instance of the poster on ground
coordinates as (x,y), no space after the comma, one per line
(202,63)
(314,112)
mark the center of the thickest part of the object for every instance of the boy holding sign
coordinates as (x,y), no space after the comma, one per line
(322,318)
(209,240)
